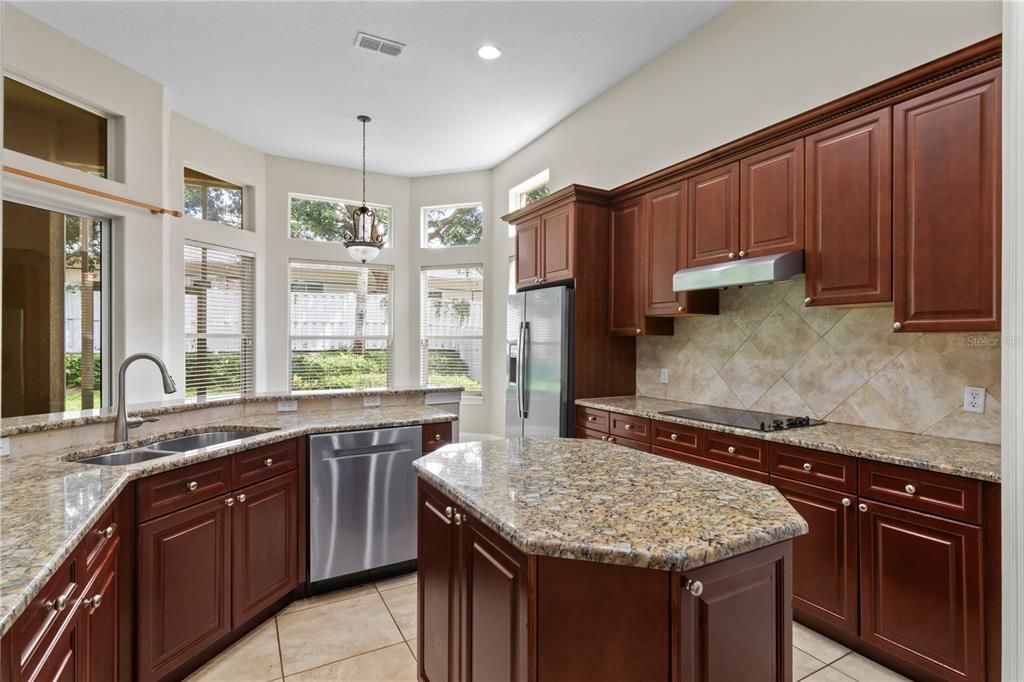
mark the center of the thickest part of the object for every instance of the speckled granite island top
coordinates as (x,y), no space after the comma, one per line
(965,458)
(48,503)
(596,501)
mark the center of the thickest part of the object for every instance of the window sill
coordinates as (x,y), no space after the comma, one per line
(472,400)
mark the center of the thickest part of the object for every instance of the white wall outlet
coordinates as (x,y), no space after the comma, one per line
(974,399)
(663,375)
(5,446)
(287,405)
(371,401)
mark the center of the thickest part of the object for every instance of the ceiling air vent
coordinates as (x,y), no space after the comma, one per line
(378,44)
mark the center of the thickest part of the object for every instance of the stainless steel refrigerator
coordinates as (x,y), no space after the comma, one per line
(538,398)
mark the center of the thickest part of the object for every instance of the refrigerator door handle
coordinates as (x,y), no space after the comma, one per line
(524,361)
(518,379)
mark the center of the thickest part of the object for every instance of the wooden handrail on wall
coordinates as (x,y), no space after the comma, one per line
(155,210)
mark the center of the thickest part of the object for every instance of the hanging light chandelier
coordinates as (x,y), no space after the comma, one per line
(364,241)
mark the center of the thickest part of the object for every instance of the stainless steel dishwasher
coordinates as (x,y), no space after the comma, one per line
(362,501)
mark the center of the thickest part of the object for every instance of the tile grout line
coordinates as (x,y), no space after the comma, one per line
(280,653)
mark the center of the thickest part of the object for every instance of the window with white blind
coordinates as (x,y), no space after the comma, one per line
(220,321)
(452,326)
(339,326)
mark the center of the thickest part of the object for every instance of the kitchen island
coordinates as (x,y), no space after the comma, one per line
(564,559)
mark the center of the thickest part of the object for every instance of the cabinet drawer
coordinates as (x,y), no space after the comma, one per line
(949,496)
(736,450)
(712,464)
(180,488)
(589,418)
(676,437)
(436,436)
(587,434)
(253,466)
(632,428)
(812,466)
(36,628)
(629,443)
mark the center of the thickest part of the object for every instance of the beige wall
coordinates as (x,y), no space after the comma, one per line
(753,65)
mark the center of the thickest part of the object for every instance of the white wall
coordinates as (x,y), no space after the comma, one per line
(755,64)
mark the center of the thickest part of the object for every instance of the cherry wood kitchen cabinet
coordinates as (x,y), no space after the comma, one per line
(103,608)
(437,598)
(546,247)
(714,215)
(772,201)
(848,252)
(626,276)
(436,436)
(946,208)
(67,659)
(529,254)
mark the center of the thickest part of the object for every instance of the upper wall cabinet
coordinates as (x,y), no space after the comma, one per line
(946,207)
(772,201)
(714,215)
(626,280)
(528,253)
(545,247)
(848,252)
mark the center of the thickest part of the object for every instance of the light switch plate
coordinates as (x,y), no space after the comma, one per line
(974,399)
(663,375)
(371,401)
(287,405)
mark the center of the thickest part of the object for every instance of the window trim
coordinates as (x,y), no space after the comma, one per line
(469,204)
(514,194)
(472,397)
(247,197)
(389,244)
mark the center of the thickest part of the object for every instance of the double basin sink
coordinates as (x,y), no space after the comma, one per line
(166,448)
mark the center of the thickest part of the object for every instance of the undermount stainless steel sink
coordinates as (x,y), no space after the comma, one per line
(166,448)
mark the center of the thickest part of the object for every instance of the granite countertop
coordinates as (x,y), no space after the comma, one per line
(12,426)
(48,502)
(965,458)
(597,501)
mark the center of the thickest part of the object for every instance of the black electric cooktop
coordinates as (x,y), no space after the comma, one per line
(744,419)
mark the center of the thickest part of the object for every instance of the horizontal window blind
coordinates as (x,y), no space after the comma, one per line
(219,322)
(452,326)
(340,326)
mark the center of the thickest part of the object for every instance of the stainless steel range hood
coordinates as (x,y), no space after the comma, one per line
(744,272)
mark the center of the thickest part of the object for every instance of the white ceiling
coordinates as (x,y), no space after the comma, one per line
(285,78)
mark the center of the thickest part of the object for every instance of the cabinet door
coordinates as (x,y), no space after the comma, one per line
(946,207)
(921,592)
(494,606)
(265,545)
(438,596)
(528,255)
(824,560)
(101,607)
(848,255)
(714,206)
(624,283)
(664,244)
(184,585)
(772,201)
(558,244)
(67,658)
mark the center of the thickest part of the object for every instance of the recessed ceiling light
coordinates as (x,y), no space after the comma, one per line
(488,52)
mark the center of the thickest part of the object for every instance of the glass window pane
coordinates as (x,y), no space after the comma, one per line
(535,194)
(452,322)
(49,128)
(445,226)
(328,220)
(213,199)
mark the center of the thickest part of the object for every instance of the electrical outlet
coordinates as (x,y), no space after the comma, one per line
(371,401)
(5,446)
(287,405)
(663,375)
(974,399)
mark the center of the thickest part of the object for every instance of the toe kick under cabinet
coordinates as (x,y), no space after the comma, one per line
(900,564)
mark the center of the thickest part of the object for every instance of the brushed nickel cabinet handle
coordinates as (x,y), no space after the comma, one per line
(808,300)
(448,512)
(192,486)
(742,253)
(897,326)
(437,436)
(611,439)
(268,462)
(629,427)
(674,436)
(731,255)
(57,605)
(910,489)
(846,501)
(807,466)
(107,532)
(458,519)
(681,309)
(230,502)
(695,587)
(638,332)
(591,418)
(94,601)
(863,507)
(241,497)
(731,450)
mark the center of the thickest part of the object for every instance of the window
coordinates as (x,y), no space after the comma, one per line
(51,128)
(327,220)
(455,225)
(55,311)
(213,199)
(340,326)
(526,192)
(452,328)
(219,322)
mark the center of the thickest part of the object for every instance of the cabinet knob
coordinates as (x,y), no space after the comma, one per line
(192,486)
(604,437)
(695,587)
(611,439)
(57,605)
(732,255)
(448,512)
(808,300)
(674,436)
(897,326)
(437,436)
(742,253)
(458,519)
(268,462)
(910,489)
(536,280)
(681,309)
(241,497)
(807,466)
(863,507)
(846,501)
(591,418)
(638,331)
(629,427)
(731,450)
(107,532)
(94,601)
(230,502)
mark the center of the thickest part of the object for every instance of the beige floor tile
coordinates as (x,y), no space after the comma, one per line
(829,674)
(254,658)
(393,663)
(324,634)
(804,664)
(817,644)
(402,604)
(397,581)
(865,670)
(329,598)
(413,643)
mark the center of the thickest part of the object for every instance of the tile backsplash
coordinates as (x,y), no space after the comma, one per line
(767,351)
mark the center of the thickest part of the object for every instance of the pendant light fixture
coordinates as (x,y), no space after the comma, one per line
(364,242)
